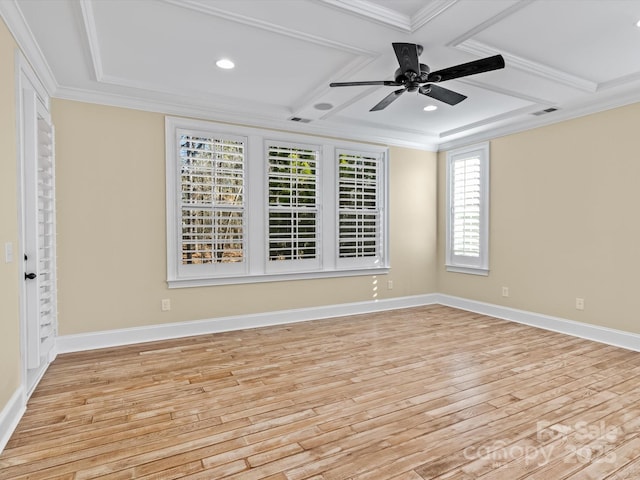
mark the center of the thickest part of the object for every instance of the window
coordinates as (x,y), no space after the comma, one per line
(251,205)
(293,205)
(468,210)
(359,208)
(211,203)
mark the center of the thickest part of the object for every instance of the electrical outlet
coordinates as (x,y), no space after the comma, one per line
(390,284)
(8,252)
(505,291)
(166,304)
(579,303)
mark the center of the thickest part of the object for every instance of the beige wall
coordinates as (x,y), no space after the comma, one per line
(9,281)
(565,221)
(111,231)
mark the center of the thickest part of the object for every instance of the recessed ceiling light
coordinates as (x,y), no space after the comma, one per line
(430,108)
(225,63)
(638,24)
(323,106)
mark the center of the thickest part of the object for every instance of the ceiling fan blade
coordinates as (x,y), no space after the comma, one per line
(386,101)
(407,55)
(373,82)
(464,69)
(443,94)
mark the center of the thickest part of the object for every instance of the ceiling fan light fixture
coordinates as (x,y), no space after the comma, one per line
(430,108)
(225,64)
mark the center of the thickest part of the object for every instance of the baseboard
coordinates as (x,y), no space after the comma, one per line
(609,336)
(10,415)
(112,338)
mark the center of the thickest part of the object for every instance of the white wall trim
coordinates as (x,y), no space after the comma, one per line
(534,68)
(15,21)
(608,336)
(10,415)
(112,338)
(127,336)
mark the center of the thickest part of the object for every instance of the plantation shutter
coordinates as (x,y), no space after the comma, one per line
(466,207)
(359,208)
(212,203)
(467,247)
(293,220)
(43,337)
(247,205)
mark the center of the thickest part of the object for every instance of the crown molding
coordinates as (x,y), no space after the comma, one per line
(372,134)
(390,17)
(488,121)
(89,24)
(619,82)
(161,105)
(466,43)
(430,12)
(23,36)
(530,122)
(505,91)
(209,9)
(375,12)
(507,12)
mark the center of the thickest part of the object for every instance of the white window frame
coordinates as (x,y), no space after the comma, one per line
(290,265)
(258,268)
(475,265)
(380,210)
(198,270)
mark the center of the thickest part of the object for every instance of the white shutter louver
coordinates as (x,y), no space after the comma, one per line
(359,206)
(293,202)
(466,207)
(212,200)
(46,239)
(467,249)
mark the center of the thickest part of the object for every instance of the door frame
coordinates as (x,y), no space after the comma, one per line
(26,82)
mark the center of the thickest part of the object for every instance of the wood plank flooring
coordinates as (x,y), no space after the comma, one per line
(423,393)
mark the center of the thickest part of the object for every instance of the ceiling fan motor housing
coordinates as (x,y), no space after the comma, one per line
(419,78)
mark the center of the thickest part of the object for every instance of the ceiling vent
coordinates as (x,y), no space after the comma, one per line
(301,120)
(545,111)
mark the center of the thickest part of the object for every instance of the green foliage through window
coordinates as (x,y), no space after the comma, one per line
(293,212)
(359,209)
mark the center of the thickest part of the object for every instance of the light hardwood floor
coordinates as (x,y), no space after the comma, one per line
(421,393)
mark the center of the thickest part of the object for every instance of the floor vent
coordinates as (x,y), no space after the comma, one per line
(545,111)
(301,120)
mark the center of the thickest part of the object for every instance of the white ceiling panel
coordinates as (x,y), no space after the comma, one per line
(176,50)
(578,56)
(594,40)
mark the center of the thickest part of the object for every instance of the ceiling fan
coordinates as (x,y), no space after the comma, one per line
(413,75)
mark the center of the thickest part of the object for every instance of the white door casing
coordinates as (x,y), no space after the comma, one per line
(37,216)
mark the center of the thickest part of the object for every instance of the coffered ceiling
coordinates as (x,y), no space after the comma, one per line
(574,56)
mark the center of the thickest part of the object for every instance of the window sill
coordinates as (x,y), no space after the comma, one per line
(276,277)
(468,270)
